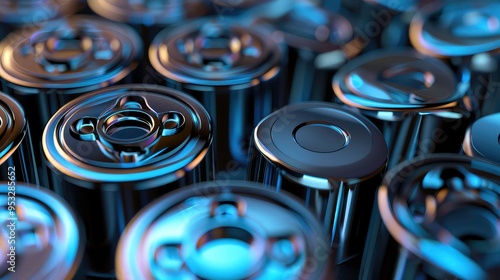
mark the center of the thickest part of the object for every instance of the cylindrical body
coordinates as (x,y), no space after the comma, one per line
(482,139)
(115,150)
(42,238)
(16,151)
(413,98)
(47,66)
(331,158)
(441,214)
(26,14)
(224,230)
(233,71)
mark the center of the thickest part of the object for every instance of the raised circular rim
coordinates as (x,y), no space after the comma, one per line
(18,126)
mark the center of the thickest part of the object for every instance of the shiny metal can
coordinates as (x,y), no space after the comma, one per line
(42,238)
(414,99)
(115,150)
(234,71)
(224,230)
(16,150)
(331,157)
(440,220)
(482,139)
(29,13)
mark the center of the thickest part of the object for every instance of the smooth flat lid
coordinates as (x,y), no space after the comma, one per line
(484,138)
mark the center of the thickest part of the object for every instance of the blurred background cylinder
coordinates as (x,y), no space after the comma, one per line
(414,100)
(115,150)
(16,150)
(331,158)
(465,34)
(224,230)
(442,214)
(26,14)
(482,139)
(41,235)
(47,66)
(233,71)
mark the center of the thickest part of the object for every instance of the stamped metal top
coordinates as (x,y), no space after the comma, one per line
(13,126)
(48,239)
(207,52)
(445,209)
(68,53)
(149,12)
(483,138)
(32,11)
(397,81)
(223,230)
(457,28)
(128,133)
(322,140)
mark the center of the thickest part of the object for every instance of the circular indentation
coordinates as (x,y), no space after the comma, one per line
(321,138)
(284,251)
(471,223)
(128,125)
(168,257)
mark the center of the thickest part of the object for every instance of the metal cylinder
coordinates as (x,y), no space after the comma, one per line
(233,71)
(113,151)
(45,67)
(482,139)
(42,238)
(26,14)
(16,151)
(441,214)
(412,98)
(224,230)
(331,158)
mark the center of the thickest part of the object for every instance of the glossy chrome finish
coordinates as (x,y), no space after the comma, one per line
(331,158)
(16,151)
(117,149)
(233,71)
(224,230)
(483,138)
(443,215)
(48,239)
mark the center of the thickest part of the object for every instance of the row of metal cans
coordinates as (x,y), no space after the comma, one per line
(334,140)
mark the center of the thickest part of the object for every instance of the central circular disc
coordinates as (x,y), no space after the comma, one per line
(321,138)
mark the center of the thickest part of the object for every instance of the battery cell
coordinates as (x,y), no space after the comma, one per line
(483,138)
(224,230)
(115,150)
(331,158)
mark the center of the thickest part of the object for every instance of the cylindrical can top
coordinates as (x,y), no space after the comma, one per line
(483,138)
(47,235)
(213,53)
(149,12)
(13,126)
(392,81)
(457,28)
(223,230)
(67,53)
(32,11)
(445,210)
(128,133)
(322,140)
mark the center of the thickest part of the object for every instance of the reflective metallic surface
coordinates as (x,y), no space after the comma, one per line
(117,149)
(43,231)
(442,214)
(331,158)
(483,138)
(224,230)
(234,71)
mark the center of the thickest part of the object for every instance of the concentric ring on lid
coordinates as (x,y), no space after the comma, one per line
(457,28)
(33,11)
(223,230)
(445,210)
(128,133)
(13,126)
(483,138)
(395,81)
(73,52)
(212,53)
(48,237)
(322,140)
